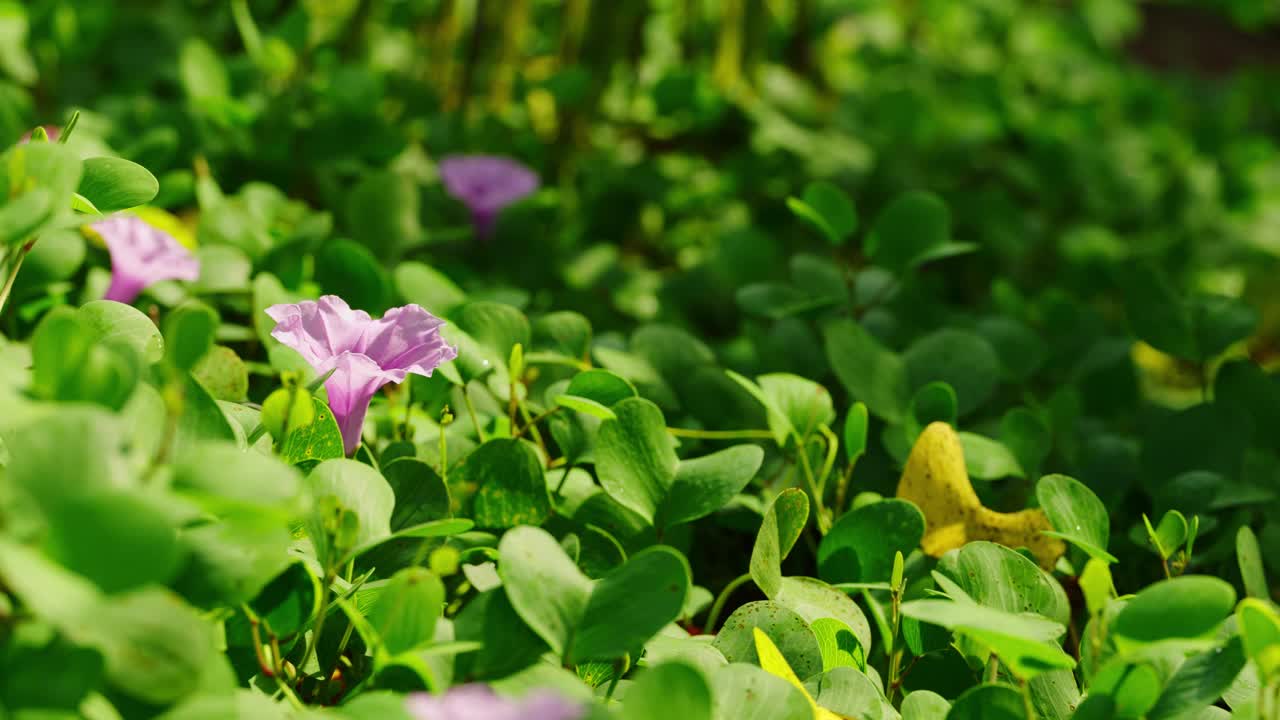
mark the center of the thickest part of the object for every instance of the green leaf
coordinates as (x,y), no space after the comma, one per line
(113,322)
(1190,606)
(601,386)
(421,495)
(987,702)
(1157,314)
(497,327)
(872,374)
(65,454)
(788,630)
(585,405)
(1200,681)
(56,676)
(828,209)
(201,419)
(566,332)
(849,693)
(1249,557)
(1260,630)
(509,487)
(244,704)
(424,285)
(1027,437)
(963,360)
(49,167)
(289,601)
(911,227)
(634,457)
(1077,515)
(855,432)
(783,522)
(1170,534)
(383,212)
(804,404)
(406,609)
(988,459)
(925,705)
(316,441)
(156,647)
(544,586)
(113,183)
(639,372)
(351,272)
(631,604)
(121,541)
(22,216)
(814,600)
(746,692)
(359,490)
(668,690)
(202,73)
(1134,688)
(223,374)
(706,484)
(189,331)
(860,547)
(961,616)
(674,352)
(933,402)
(230,560)
(1002,578)
(70,365)
(15,60)
(508,645)
(839,646)
(1219,322)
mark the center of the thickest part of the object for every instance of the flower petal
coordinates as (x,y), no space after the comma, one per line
(478,702)
(406,340)
(355,380)
(142,255)
(487,183)
(319,330)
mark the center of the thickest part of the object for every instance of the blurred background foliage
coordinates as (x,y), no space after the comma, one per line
(1070,142)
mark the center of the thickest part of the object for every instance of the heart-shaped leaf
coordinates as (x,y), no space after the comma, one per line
(704,485)
(783,522)
(634,457)
(113,183)
(860,546)
(631,604)
(1077,515)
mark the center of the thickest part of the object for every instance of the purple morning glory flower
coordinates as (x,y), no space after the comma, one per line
(486,184)
(364,353)
(142,255)
(477,702)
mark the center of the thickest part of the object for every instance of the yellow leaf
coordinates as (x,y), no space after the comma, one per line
(772,661)
(935,480)
(168,222)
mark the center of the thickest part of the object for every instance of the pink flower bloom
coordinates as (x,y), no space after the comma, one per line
(364,353)
(142,255)
(477,702)
(53,131)
(486,184)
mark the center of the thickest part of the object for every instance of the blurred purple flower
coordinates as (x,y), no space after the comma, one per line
(53,131)
(364,353)
(486,184)
(142,255)
(478,702)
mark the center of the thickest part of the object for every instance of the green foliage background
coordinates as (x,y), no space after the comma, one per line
(775,240)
